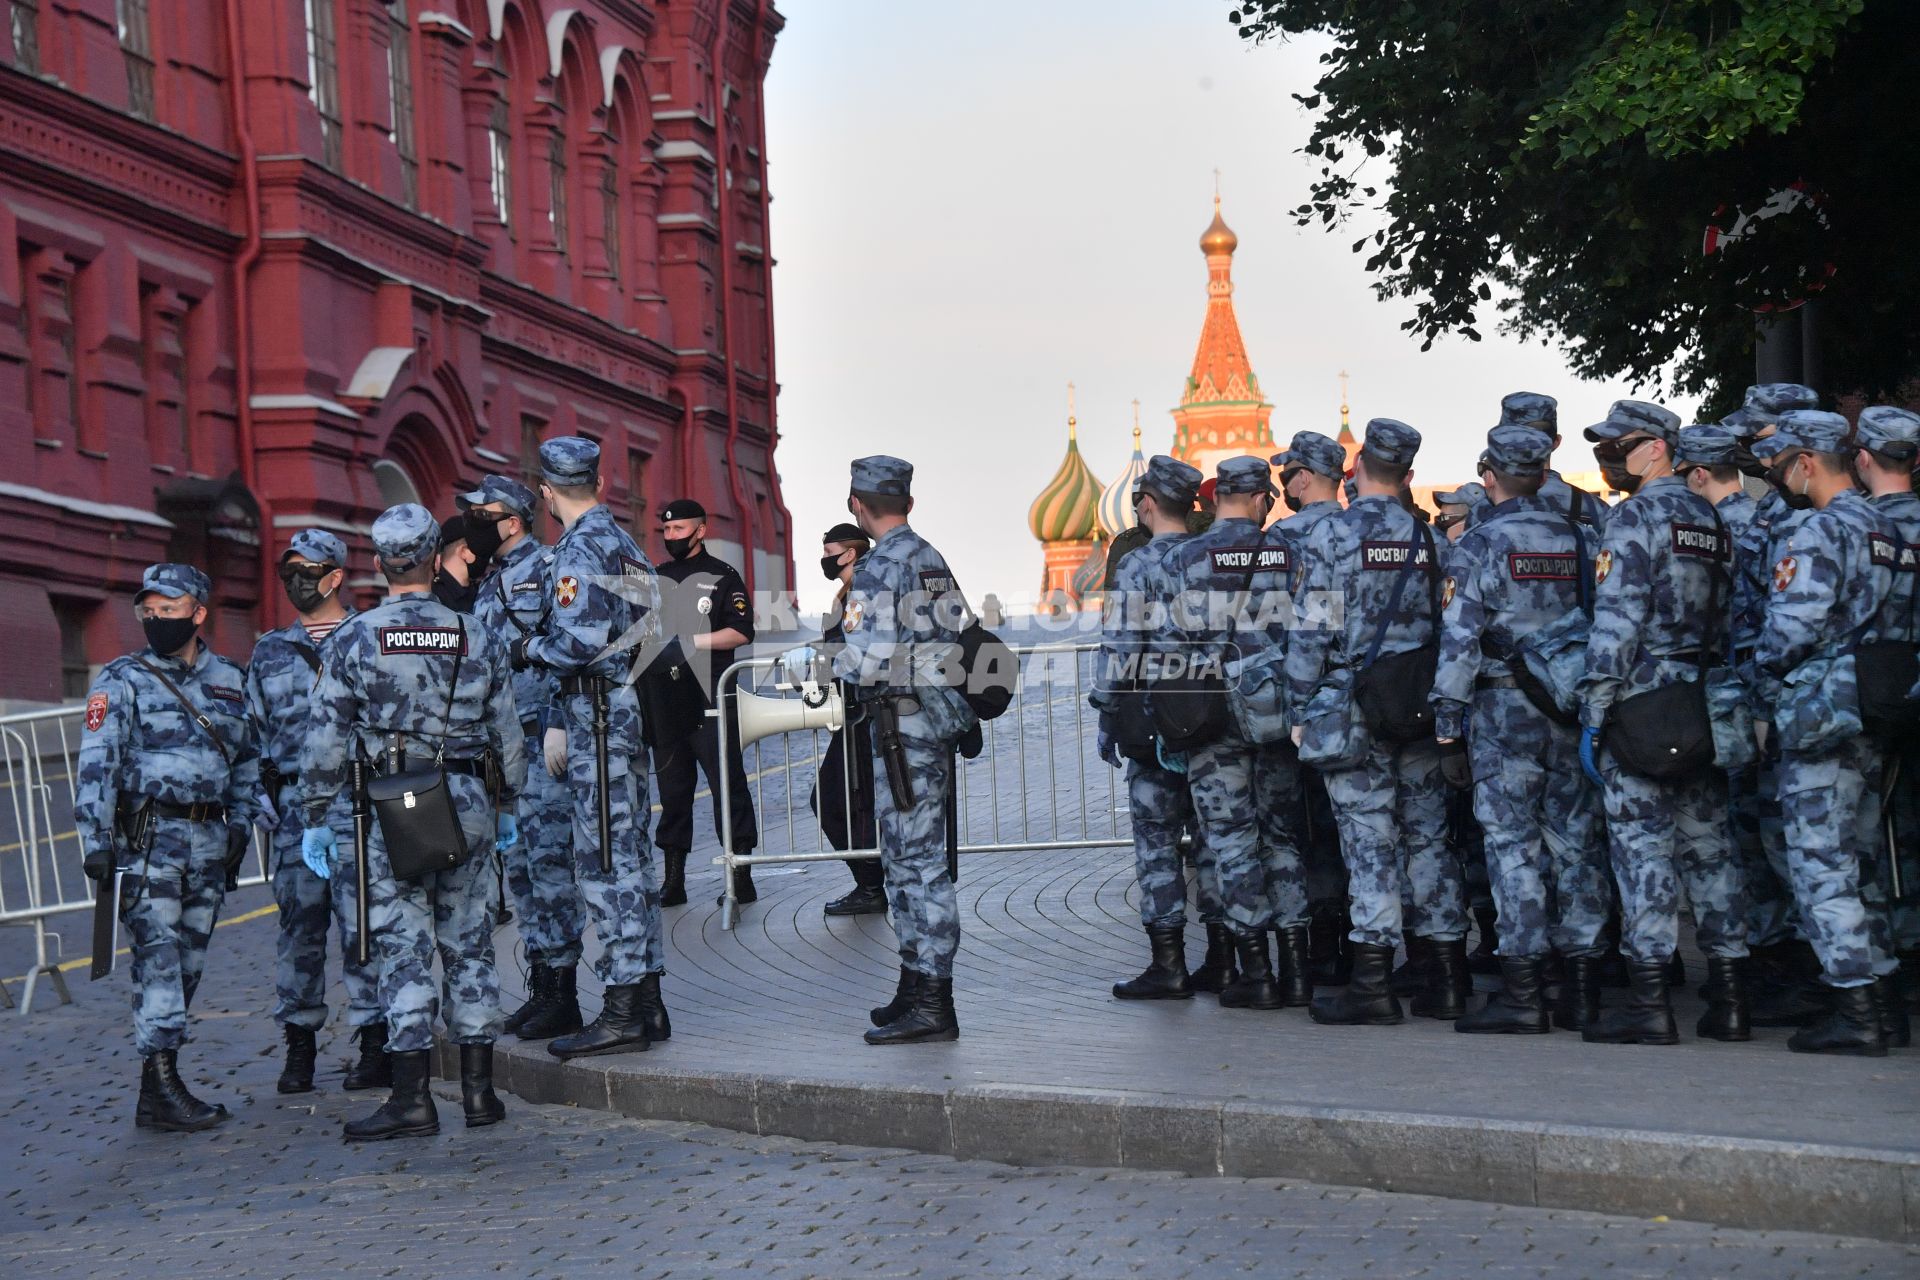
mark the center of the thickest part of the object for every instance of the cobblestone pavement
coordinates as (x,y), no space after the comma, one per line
(566,1193)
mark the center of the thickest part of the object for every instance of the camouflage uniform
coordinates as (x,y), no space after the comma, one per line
(140,743)
(388,672)
(512,603)
(281,677)
(1897,432)
(603,607)
(1542,412)
(1654,613)
(1391,807)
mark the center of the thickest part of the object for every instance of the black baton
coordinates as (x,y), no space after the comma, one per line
(600,774)
(357,782)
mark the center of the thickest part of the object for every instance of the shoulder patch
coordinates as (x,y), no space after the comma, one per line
(1542,566)
(1783,573)
(738,603)
(1884,551)
(936,582)
(1602,566)
(852,616)
(428,640)
(1446,593)
(567,590)
(1389,555)
(96,712)
(1699,540)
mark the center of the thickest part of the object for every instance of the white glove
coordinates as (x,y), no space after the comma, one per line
(1760,734)
(797,664)
(268,818)
(554,747)
(1296,733)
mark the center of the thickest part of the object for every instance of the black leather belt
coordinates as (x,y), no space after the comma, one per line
(204,812)
(472,766)
(582,684)
(1494,682)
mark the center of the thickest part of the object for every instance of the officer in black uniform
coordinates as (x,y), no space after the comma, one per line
(704,607)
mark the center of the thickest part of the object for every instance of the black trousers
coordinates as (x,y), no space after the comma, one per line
(673,770)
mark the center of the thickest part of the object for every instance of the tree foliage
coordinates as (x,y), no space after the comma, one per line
(1574,152)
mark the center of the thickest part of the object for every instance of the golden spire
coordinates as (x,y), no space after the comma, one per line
(1136,424)
(1073,423)
(1343,400)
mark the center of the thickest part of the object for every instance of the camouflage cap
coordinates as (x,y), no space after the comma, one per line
(1172,482)
(1470,494)
(1706,445)
(1890,430)
(1629,416)
(1742,424)
(1812,429)
(1768,400)
(406,536)
(317,546)
(1528,408)
(1517,450)
(569,460)
(174,581)
(1351,488)
(1244,474)
(880,474)
(1315,452)
(512,496)
(1391,441)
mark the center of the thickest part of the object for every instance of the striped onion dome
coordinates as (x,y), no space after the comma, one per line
(1064,511)
(1092,573)
(1116,500)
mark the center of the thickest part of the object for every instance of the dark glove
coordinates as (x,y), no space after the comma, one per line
(517,654)
(1455,769)
(98,864)
(238,839)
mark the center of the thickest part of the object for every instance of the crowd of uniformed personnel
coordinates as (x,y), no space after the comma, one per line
(1688,698)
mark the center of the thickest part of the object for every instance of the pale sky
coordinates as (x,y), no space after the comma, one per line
(975,204)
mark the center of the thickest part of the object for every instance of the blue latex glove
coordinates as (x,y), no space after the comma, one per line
(1589,744)
(1171,761)
(506,833)
(797,664)
(1108,749)
(316,850)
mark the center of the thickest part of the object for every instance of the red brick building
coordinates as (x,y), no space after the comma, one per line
(406,242)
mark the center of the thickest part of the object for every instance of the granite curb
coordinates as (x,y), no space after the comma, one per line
(1734,1182)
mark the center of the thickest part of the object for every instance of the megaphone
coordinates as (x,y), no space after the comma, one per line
(818,707)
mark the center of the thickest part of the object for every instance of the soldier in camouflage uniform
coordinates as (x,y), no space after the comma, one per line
(1837,572)
(166,795)
(1311,469)
(1393,799)
(600,624)
(1157,796)
(411,674)
(1660,592)
(1522,568)
(1458,510)
(1889,440)
(1542,413)
(513,602)
(903,617)
(280,679)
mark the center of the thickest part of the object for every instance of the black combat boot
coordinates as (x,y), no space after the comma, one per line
(1613,965)
(297,1075)
(1890,1005)
(1787,991)
(166,1103)
(1553,978)
(1294,963)
(865,900)
(1255,987)
(1368,999)
(1485,958)
(539,992)
(1676,973)
(409,1112)
(903,994)
(653,1010)
(1217,968)
(1165,977)
(1909,972)
(482,1105)
(1329,947)
(673,884)
(1412,977)
(1647,1016)
(1579,1002)
(373,1069)
(743,890)
(1851,1025)
(930,1016)
(560,1014)
(1725,991)
(1448,982)
(1518,1008)
(618,1029)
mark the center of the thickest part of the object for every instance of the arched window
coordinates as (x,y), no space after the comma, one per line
(557,186)
(323,76)
(396,486)
(500,161)
(136,46)
(23,23)
(400,127)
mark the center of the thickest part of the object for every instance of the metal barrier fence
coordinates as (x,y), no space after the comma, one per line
(999,802)
(40,874)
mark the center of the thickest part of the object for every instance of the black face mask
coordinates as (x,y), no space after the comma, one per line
(830,567)
(168,636)
(1618,477)
(1778,479)
(483,538)
(679,548)
(303,589)
(450,592)
(1749,465)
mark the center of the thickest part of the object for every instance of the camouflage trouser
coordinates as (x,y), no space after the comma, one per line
(1665,836)
(450,913)
(1770,912)
(1206,873)
(1220,777)
(1831,802)
(169,899)
(1393,799)
(1541,818)
(539,865)
(1277,804)
(1158,801)
(1320,843)
(309,906)
(913,848)
(625,905)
